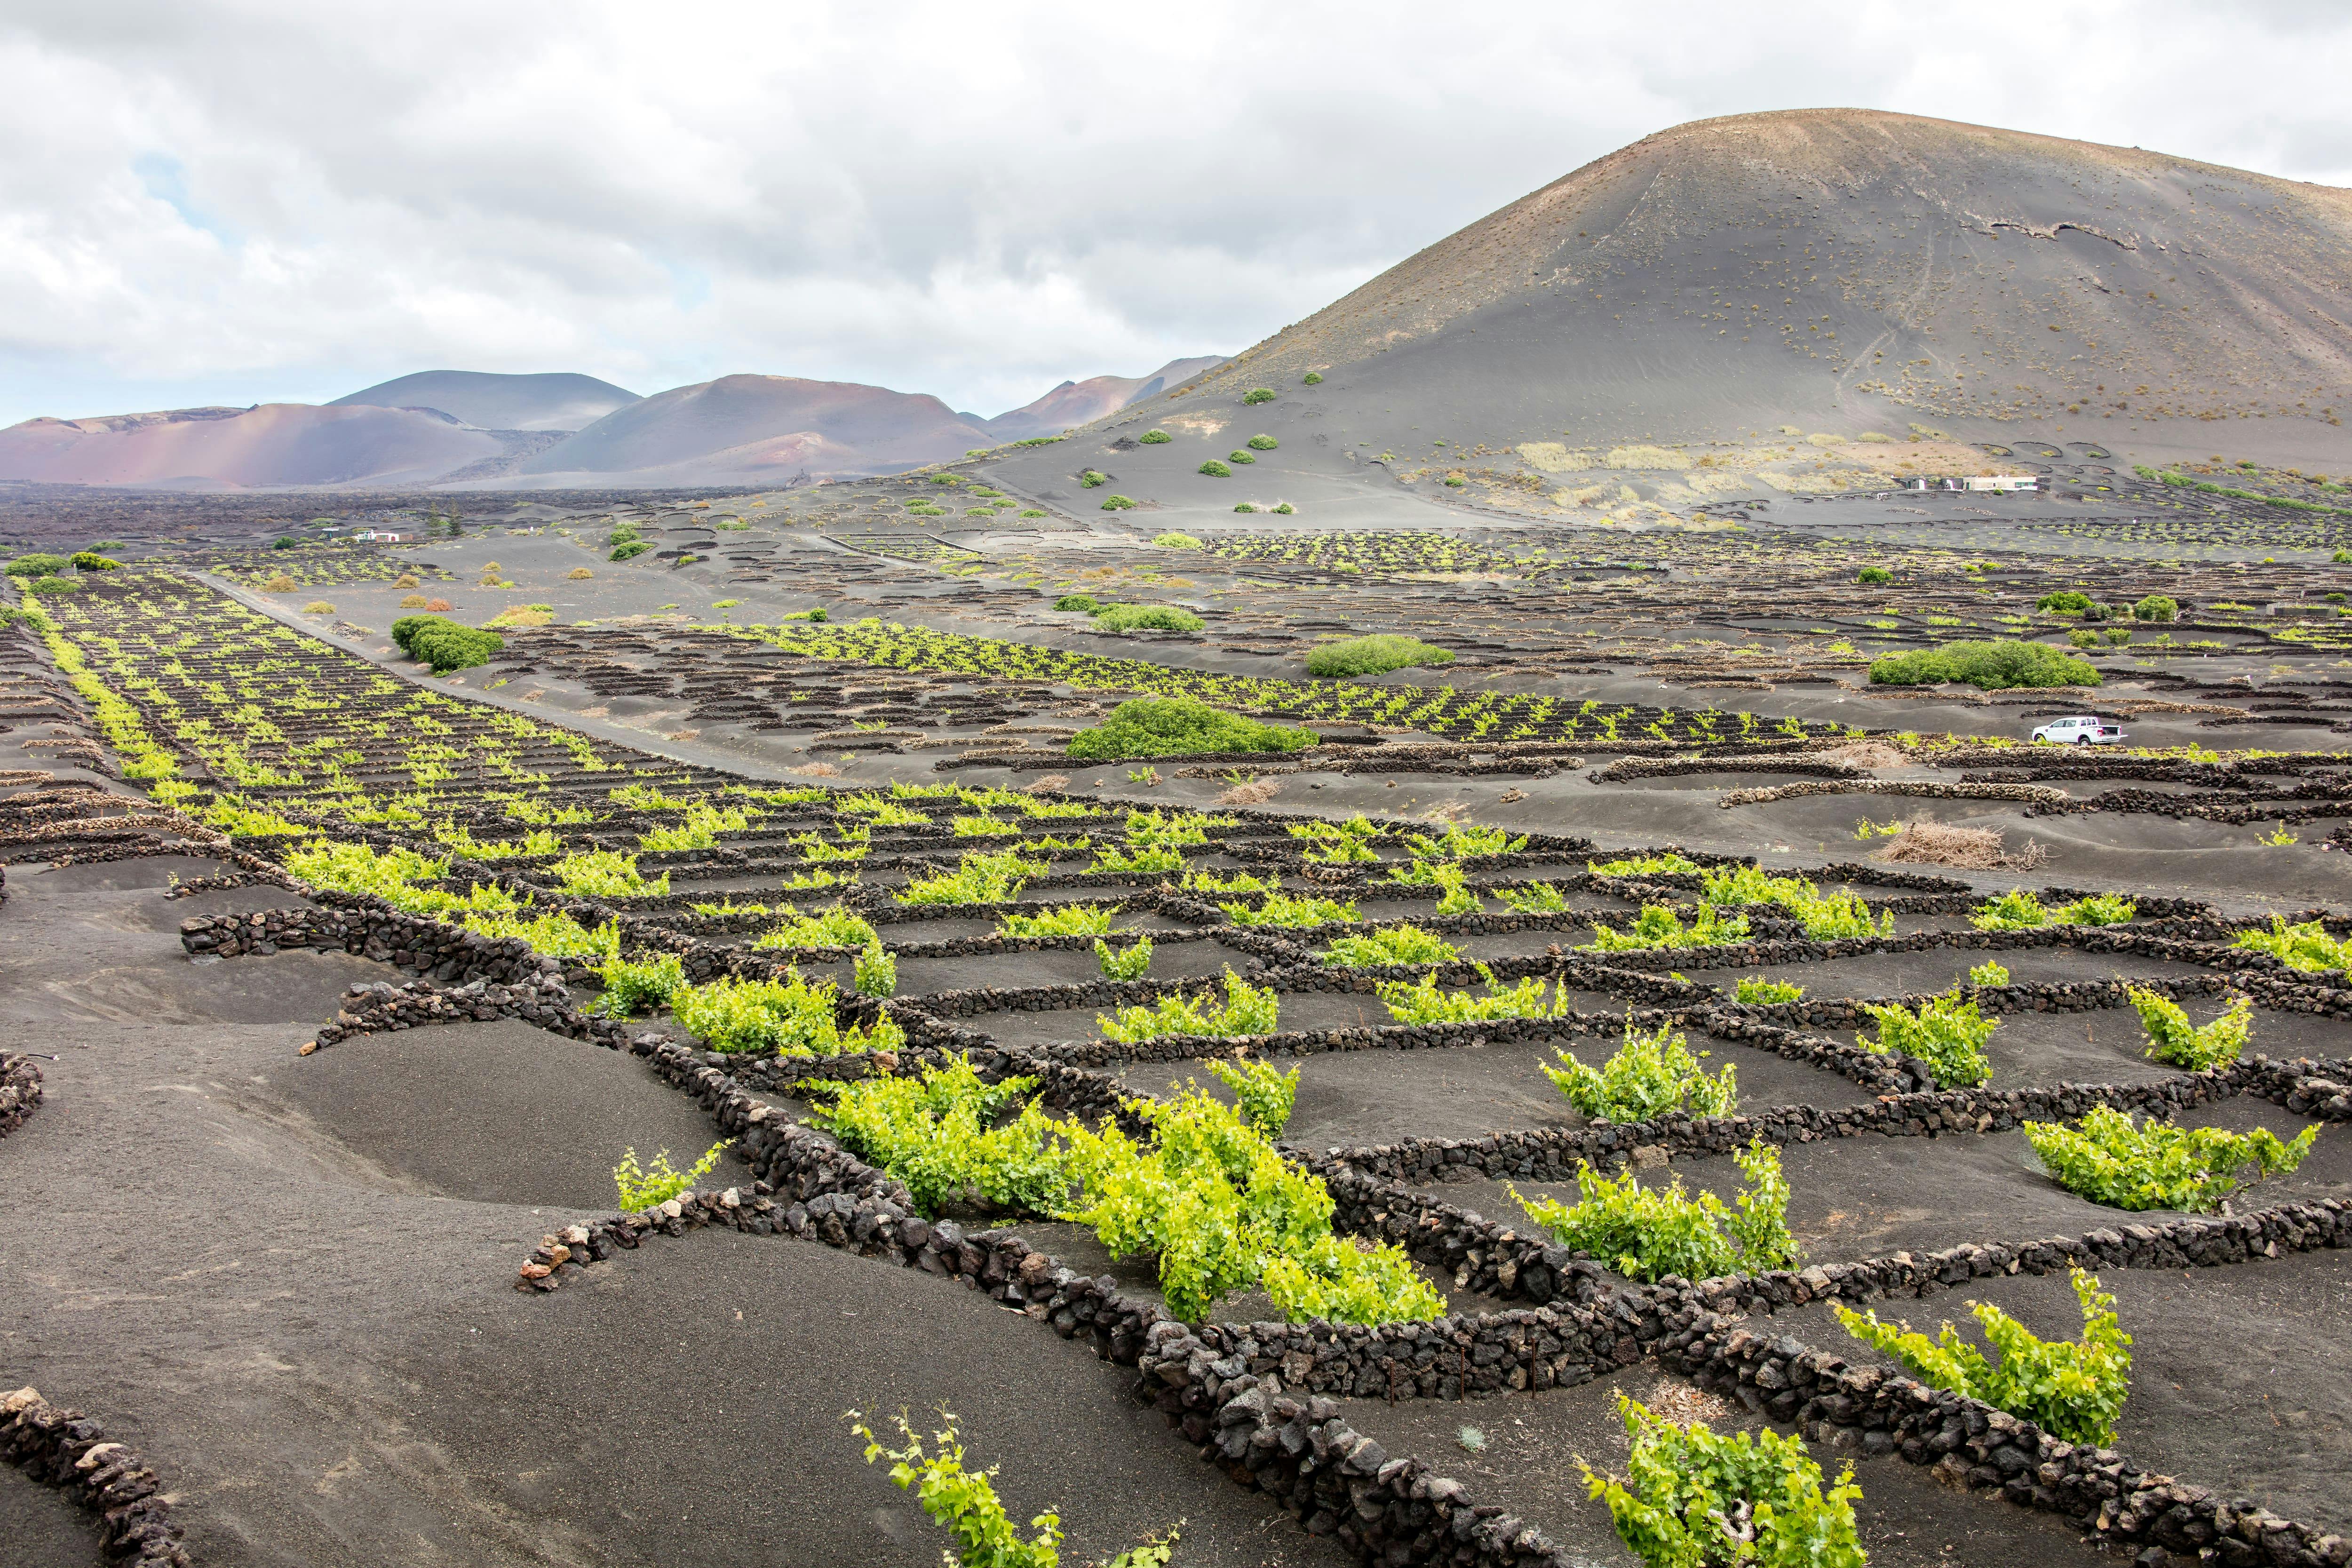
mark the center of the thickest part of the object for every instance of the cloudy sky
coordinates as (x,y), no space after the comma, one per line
(210,202)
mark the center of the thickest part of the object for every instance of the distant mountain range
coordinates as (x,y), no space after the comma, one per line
(551,431)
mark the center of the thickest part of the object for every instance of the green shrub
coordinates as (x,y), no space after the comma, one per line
(2016,911)
(1239,455)
(1420,1001)
(1396,945)
(2083,636)
(2064,602)
(1264,443)
(1141,859)
(1216,469)
(2071,1389)
(1293,912)
(629,550)
(1258,395)
(1179,726)
(1996,665)
(1262,1096)
(2306,947)
(605,874)
(50,587)
(1693,1499)
(1214,1201)
(1534,899)
(1312,378)
(1084,602)
(1873,575)
(1178,542)
(1089,478)
(1991,972)
(1659,927)
(1130,963)
(1758,993)
(1247,1010)
(981,877)
(1118,503)
(834,926)
(1666,865)
(633,988)
(939,1134)
(1243,506)
(1146,617)
(2157,607)
(1648,1076)
(1064,919)
(1154,438)
(37,564)
(641,1189)
(1648,1233)
(2172,1037)
(790,1017)
(2160,1165)
(876,973)
(91,561)
(1372,655)
(1945,1033)
(1285,508)
(444,644)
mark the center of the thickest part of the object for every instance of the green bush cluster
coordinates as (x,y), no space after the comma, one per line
(37,564)
(1373,654)
(1246,1010)
(641,1187)
(1084,603)
(1658,926)
(1178,542)
(1130,963)
(1312,378)
(1422,1001)
(1394,946)
(2307,946)
(1119,503)
(1945,1032)
(1758,993)
(1063,919)
(2157,607)
(1992,665)
(91,561)
(1873,575)
(1216,468)
(2158,1165)
(1146,617)
(2071,1389)
(1649,1075)
(1154,438)
(1179,726)
(1258,395)
(1292,912)
(444,644)
(2172,1037)
(1695,1498)
(1648,1233)
(2021,910)
(792,1016)
(1264,443)
(51,587)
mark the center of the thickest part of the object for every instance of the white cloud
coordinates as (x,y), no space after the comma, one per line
(233,202)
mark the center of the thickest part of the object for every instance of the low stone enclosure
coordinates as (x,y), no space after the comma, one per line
(1260,1399)
(1263,1401)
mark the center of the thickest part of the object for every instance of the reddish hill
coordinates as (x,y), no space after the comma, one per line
(271,444)
(1075,403)
(748,427)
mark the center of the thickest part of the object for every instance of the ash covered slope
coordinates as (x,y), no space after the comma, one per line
(756,429)
(556,401)
(1845,269)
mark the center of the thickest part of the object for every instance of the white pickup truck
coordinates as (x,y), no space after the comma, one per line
(2080,730)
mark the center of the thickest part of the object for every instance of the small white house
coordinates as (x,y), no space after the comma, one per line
(381,536)
(1999,482)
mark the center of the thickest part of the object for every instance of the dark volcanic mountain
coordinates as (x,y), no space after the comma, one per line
(1843,271)
(559,401)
